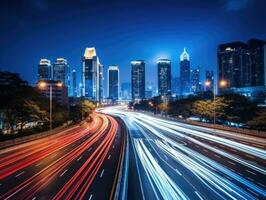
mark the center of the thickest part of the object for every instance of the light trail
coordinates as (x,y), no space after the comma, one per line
(176,144)
(100,133)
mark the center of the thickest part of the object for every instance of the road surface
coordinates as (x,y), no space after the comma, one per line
(172,160)
(80,162)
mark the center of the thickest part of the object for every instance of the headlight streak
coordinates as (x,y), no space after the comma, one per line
(167,187)
(208,171)
(236,145)
(235,158)
(206,160)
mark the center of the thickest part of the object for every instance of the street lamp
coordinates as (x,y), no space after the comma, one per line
(222,83)
(42,85)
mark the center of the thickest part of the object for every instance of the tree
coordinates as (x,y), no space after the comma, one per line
(240,109)
(259,121)
(163,107)
(205,109)
(87,107)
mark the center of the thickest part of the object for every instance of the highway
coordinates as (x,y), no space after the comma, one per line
(80,162)
(172,160)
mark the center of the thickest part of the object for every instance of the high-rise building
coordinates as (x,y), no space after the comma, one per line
(101,78)
(126,91)
(209,77)
(61,72)
(44,70)
(164,76)
(234,65)
(138,79)
(184,73)
(113,82)
(257,51)
(91,75)
(195,80)
(74,83)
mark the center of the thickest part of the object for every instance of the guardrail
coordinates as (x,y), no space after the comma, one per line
(32,137)
(122,182)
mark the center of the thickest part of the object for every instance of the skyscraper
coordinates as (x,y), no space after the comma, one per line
(113,82)
(138,79)
(209,77)
(91,75)
(164,76)
(61,72)
(195,80)
(233,65)
(184,73)
(44,70)
(74,83)
(257,50)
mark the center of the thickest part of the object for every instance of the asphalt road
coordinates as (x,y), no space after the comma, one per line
(172,160)
(81,162)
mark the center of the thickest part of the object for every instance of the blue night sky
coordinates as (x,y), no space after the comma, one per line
(122,31)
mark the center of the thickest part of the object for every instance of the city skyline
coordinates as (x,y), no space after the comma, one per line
(133,99)
(155,44)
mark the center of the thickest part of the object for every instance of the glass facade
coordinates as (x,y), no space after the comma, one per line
(164,77)
(113,82)
(138,79)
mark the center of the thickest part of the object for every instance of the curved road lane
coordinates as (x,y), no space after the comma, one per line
(79,162)
(172,160)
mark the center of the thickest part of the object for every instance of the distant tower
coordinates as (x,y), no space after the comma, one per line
(184,73)
(91,75)
(74,83)
(61,72)
(44,70)
(113,82)
(195,80)
(164,76)
(138,79)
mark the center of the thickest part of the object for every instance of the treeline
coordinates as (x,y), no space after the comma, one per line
(24,111)
(229,109)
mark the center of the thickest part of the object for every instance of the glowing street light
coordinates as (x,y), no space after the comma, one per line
(42,85)
(222,84)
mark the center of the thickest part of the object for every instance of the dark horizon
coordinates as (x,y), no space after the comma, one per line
(123,31)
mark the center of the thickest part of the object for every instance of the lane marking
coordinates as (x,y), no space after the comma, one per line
(178,172)
(217,156)
(253,192)
(251,179)
(251,172)
(89,149)
(205,150)
(90,196)
(109,156)
(113,146)
(79,158)
(101,173)
(63,173)
(261,184)
(54,155)
(231,163)
(38,164)
(20,174)
(198,195)
(34,198)
(249,156)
